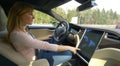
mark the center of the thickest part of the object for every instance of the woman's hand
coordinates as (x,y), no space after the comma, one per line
(73,49)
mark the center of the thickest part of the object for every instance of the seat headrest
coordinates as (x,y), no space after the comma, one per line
(3,19)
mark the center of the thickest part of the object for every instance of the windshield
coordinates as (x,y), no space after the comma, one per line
(97,15)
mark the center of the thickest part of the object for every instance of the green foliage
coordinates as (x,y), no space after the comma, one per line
(42,18)
(60,11)
(71,13)
(98,17)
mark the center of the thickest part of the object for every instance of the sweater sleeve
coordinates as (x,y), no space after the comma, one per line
(21,38)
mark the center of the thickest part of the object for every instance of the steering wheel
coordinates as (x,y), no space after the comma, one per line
(61,31)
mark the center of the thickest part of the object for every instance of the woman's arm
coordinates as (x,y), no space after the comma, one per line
(20,38)
(23,39)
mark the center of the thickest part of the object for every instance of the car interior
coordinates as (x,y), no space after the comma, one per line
(107,52)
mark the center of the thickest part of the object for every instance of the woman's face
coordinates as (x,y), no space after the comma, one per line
(27,18)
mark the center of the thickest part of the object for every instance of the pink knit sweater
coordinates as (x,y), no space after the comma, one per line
(26,45)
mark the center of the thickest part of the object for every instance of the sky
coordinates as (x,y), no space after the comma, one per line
(109,4)
(106,4)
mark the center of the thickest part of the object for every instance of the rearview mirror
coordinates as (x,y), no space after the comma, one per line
(87,5)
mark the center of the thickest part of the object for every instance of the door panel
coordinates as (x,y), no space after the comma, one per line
(109,43)
(40,32)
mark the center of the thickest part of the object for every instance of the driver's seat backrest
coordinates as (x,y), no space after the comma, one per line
(7,50)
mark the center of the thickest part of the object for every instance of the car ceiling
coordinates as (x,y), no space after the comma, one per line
(38,4)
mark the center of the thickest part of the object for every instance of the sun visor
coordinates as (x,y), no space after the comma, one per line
(81,1)
(46,4)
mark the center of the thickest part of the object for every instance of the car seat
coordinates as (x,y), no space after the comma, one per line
(10,57)
(106,57)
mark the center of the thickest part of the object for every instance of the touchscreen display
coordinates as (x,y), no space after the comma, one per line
(89,43)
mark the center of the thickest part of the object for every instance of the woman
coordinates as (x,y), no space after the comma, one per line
(19,17)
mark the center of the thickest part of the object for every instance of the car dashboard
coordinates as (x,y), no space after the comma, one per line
(110,39)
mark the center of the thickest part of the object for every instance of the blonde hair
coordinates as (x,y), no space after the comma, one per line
(18,9)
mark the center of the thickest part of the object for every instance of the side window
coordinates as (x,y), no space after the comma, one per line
(43,18)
